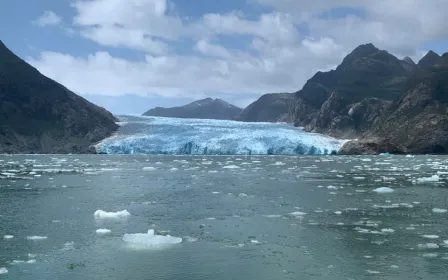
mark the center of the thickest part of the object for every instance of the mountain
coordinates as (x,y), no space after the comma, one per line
(207,108)
(430,59)
(39,115)
(417,122)
(344,102)
(272,107)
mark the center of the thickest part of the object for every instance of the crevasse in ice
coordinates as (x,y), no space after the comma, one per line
(156,135)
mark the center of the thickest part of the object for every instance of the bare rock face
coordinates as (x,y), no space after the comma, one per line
(207,108)
(365,82)
(272,107)
(38,115)
(417,122)
(368,147)
(430,59)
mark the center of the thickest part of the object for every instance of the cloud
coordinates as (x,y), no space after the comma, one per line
(48,18)
(235,54)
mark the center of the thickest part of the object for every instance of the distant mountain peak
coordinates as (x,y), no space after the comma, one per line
(408,60)
(206,108)
(430,59)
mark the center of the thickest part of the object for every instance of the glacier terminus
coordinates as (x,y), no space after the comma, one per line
(175,136)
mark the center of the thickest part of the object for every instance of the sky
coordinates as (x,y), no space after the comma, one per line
(132,55)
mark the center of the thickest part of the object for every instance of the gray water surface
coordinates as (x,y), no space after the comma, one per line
(254,217)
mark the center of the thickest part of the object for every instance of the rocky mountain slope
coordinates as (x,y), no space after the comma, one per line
(207,108)
(272,107)
(417,122)
(38,115)
(344,102)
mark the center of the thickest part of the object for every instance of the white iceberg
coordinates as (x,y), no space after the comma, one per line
(384,190)
(3,270)
(100,214)
(102,231)
(439,210)
(150,239)
(36,237)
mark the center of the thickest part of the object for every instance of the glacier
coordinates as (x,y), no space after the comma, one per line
(175,136)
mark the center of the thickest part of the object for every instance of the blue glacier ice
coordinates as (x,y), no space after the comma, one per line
(157,135)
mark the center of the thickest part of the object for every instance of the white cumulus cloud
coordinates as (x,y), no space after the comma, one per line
(48,18)
(233,52)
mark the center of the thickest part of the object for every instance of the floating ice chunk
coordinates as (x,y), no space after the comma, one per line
(190,239)
(216,192)
(432,179)
(384,190)
(3,270)
(211,218)
(394,266)
(387,230)
(242,195)
(174,169)
(253,241)
(279,163)
(332,188)
(297,214)
(150,239)
(231,167)
(428,246)
(149,168)
(103,231)
(36,237)
(100,214)
(272,216)
(384,178)
(359,178)
(439,210)
(430,255)
(338,212)
(8,236)
(430,236)
(372,271)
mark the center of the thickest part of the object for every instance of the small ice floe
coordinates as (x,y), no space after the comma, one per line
(428,246)
(211,218)
(338,212)
(439,210)
(216,192)
(432,179)
(231,167)
(394,266)
(242,195)
(272,216)
(100,214)
(103,231)
(387,230)
(3,270)
(384,190)
(68,246)
(8,236)
(149,168)
(253,241)
(278,163)
(388,179)
(430,255)
(150,239)
(332,188)
(359,178)
(297,214)
(430,236)
(190,239)
(174,169)
(372,271)
(36,237)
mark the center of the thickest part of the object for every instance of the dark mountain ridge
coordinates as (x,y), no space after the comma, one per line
(39,115)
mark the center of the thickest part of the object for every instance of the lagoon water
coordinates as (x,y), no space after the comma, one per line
(227,217)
